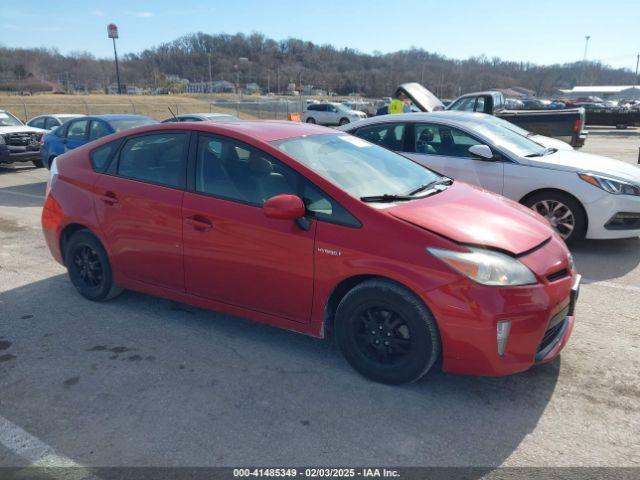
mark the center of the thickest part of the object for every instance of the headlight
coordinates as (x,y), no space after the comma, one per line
(610,185)
(487,267)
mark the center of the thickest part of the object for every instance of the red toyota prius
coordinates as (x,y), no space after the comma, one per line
(309,229)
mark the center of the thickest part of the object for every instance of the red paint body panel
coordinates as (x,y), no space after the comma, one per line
(228,256)
(481,218)
(247,259)
(142,225)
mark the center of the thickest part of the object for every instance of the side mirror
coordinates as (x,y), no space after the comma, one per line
(284,207)
(481,151)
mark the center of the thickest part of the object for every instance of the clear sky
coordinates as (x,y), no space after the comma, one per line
(540,31)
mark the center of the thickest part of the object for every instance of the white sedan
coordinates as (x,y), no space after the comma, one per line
(581,195)
(330,113)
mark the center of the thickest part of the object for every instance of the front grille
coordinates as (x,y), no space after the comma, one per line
(551,334)
(554,330)
(21,139)
(558,275)
(624,221)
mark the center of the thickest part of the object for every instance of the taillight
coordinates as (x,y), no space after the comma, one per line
(53,175)
(577,126)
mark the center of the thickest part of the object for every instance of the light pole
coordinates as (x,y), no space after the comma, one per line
(112,31)
(586,45)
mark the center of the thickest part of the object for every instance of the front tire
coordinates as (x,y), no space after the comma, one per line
(343,121)
(564,213)
(38,163)
(386,332)
(89,268)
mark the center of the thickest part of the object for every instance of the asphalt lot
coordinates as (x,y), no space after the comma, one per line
(145,381)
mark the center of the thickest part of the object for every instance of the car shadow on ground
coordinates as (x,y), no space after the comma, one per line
(26,195)
(598,260)
(17,168)
(98,380)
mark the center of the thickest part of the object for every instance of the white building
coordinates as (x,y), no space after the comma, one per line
(606,92)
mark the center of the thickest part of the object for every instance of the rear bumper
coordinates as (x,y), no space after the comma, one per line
(52,227)
(579,140)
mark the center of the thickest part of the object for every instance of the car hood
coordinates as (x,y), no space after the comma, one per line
(421,97)
(469,215)
(573,161)
(21,129)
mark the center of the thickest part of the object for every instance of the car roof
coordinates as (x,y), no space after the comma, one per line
(206,114)
(451,117)
(120,116)
(262,130)
(272,130)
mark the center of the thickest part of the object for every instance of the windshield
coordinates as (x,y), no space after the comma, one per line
(8,120)
(357,166)
(341,107)
(511,126)
(128,123)
(510,140)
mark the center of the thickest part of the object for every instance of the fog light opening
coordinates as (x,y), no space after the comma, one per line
(502,335)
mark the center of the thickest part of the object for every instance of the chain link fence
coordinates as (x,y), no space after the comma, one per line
(246,109)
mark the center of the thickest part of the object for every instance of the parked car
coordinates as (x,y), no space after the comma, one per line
(330,113)
(580,194)
(282,222)
(202,117)
(76,132)
(53,121)
(18,142)
(566,124)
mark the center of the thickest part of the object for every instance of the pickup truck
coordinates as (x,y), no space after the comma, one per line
(564,124)
(18,142)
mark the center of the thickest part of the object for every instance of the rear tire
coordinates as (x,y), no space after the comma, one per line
(386,332)
(311,120)
(89,268)
(563,211)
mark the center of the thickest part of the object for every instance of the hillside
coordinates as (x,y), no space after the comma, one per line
(273,64)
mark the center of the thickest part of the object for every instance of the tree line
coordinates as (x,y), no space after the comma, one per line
(275,64)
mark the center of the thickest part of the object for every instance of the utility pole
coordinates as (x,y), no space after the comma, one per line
(210,76)
(586,45)
(112,31)
(635,79)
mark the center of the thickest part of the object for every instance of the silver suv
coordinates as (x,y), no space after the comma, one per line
(331,114)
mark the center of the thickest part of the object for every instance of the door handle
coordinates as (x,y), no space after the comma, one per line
(109,198)
(200,223)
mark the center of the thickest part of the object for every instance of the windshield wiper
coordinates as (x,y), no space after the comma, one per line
(546,151)
(440,181)
(387,197)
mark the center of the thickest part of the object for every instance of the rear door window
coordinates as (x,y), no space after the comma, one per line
(443,140)
(388,135)
(37,123)
(77,130)
(51,123)
(155,158)
(98,129)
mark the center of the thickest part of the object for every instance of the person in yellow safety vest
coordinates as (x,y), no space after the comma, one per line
(399,104)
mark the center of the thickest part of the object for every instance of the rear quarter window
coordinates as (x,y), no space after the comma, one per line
(101,156)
